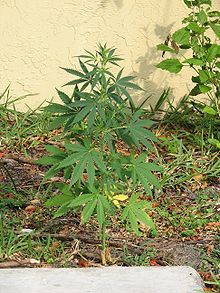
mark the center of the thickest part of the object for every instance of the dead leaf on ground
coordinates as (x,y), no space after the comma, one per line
(154,263)
(82,263)
(210,249)
(30,209)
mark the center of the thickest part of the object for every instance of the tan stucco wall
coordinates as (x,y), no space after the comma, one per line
(38,36)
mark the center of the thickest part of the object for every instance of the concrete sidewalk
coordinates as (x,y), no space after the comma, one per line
(101,280)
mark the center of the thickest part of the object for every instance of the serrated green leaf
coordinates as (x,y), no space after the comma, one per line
(181,36)
(195,91)
(91,117)
(172,65)
(202,17)
(58,200)
(51,172)
(54,150)
(64,209)
(153,180)
(217,64)
(153,167)
(194,61)
(130,85)
(91,171)
(69,160)
(83,66)
(48,160)
(195,27)
(56,108)
(80,200)
(144,181)
(78,170)
(213,52)
(105,202)
(204,75)
(143,217)
(88,210)
(209,110)
(58,121)
(125,79)
(127,95)
(82,114)
(165,48)
(99,162)
(75,147)
(63,188)
(101,112)
(125,213)
(119,74)
(65,99)
(74,72)
(76,81)
(204,88)
(69,123)
(133,221)
(216,29)
(67,173)
(116,98)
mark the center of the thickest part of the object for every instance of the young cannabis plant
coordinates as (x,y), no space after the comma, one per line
(101,179)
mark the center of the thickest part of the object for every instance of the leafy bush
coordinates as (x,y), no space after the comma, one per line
(200,36)
(102,177)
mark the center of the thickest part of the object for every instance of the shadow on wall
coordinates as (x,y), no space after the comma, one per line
(147,70)
(118,3)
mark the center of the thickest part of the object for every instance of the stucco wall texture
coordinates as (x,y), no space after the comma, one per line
(39,36)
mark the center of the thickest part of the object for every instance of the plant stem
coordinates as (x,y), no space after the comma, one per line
(103,239)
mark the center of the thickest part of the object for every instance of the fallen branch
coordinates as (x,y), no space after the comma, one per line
(159,244)
(19,263)
(7,158)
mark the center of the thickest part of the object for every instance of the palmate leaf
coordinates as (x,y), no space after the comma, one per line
(141,172)
(134,213)
(92,202)
(81,159)
(136,132)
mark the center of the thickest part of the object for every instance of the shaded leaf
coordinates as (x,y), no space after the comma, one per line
(172,65)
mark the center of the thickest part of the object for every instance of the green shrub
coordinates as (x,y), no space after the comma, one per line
(199,36)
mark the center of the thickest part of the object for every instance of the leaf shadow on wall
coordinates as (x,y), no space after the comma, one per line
(147,71)
(118,3)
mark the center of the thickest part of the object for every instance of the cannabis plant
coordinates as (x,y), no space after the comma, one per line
(102,178)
